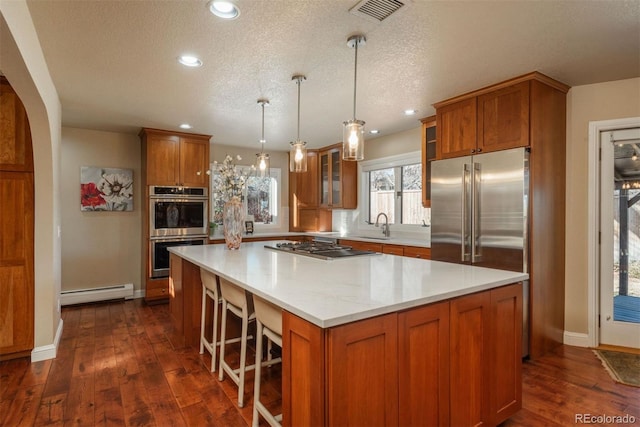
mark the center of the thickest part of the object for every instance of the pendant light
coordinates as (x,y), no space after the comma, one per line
(298,152)
(353,131)
(262,161)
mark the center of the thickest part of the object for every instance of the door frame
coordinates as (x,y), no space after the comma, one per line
(593,220)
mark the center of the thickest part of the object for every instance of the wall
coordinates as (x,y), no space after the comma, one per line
(602,101)
(394,144)
(22,62)
(99,248)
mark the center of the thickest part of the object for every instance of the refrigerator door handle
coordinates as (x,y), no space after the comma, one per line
(476,250)
(466,205)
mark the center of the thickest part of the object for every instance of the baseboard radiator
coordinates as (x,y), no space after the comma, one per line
(80,296)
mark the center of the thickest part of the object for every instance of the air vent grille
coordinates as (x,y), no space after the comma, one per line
(377,10)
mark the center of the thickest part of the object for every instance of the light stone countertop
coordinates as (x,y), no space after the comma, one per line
(343,290)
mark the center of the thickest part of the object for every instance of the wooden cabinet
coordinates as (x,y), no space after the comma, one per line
(428,155)
(305,212)
(173,158)
(456,362)
(17,211)
(338,179)
(417,252)
(456,124)
(423,365)
(169,159)
(386,248)
(529,110)
(491,121)
(362,372)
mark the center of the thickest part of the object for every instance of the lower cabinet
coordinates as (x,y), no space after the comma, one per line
(455,363)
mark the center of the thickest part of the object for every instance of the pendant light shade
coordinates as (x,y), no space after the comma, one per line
(353,131)
(298,152)
(262,159)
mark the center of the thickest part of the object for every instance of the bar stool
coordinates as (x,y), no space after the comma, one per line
(240,303)
(211,290)
(269,324)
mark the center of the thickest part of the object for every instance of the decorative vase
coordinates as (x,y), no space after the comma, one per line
(232,222)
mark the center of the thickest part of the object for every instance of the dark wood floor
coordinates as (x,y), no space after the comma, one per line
(115,366)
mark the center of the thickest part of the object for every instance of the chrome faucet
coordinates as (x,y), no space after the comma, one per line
(385,226)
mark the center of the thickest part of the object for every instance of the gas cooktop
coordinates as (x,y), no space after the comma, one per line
(319,249)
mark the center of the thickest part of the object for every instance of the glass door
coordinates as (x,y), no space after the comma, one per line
(336,181)
(620,238)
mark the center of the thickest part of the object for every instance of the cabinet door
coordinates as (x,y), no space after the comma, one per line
(456,125)
(16,262)
(428,155)
(336,178)
(470,316)
(423,365)
(163,159)
(325,179)
(15,134)
(503,118)
(417,252)
(506,350)
(194,162)
(363,372)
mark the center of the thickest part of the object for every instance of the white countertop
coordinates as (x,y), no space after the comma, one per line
(343,290)
(404,239)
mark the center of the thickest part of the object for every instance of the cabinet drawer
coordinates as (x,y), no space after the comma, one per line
(363,246)
(157,289)
(393,249)
(417,252)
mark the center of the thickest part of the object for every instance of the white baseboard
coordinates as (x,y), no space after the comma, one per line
(46,352)
(81,296)
(138,294)
(575,339)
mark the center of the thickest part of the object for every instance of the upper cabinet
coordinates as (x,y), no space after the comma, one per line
(428,155)
(338,179)
(489,120)
(174,158)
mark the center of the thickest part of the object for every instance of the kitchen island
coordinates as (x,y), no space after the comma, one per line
(376,340)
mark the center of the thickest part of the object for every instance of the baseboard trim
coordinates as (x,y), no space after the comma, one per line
(138,294)
(47,352)
(575,339)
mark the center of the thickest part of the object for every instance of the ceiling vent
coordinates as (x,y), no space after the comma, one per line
(376,10)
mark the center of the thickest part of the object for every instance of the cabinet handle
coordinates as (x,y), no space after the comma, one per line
(473,150)
(479,150)
(198,173)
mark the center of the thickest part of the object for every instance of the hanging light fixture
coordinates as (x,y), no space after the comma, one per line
(298,152)
(353,132)
(262,161)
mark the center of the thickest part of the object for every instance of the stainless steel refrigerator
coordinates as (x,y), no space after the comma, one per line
(479,213)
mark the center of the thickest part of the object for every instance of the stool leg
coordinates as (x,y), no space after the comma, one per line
(204,305)
(223,333)
(243,355)
(214,334)
(258,369)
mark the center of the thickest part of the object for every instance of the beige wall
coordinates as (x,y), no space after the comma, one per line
(99,248)
(397,143)
(603,101)
(22,62)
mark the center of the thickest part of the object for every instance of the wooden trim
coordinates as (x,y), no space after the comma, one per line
(147,131)
(525,77)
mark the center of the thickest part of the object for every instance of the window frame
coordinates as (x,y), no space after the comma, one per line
(364,167)
(275,199)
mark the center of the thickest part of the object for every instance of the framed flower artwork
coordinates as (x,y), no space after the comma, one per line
(106,189)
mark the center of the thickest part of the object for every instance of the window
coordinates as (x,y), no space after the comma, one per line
(260,198)
(394,187)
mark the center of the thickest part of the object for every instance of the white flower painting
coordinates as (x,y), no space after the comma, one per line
(106,189)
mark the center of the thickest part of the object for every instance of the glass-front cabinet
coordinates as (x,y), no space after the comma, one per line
(338,187)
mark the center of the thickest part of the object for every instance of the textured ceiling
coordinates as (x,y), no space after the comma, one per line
(114,62)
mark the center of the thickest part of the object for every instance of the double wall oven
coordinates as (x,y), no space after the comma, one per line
(177,217)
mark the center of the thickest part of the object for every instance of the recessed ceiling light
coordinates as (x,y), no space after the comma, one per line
(190,61)
(410,112)
(185,126)
(224,9)
(374,131)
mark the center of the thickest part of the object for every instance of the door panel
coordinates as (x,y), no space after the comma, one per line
(620,238)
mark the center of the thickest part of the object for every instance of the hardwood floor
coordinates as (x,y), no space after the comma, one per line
(116,366)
